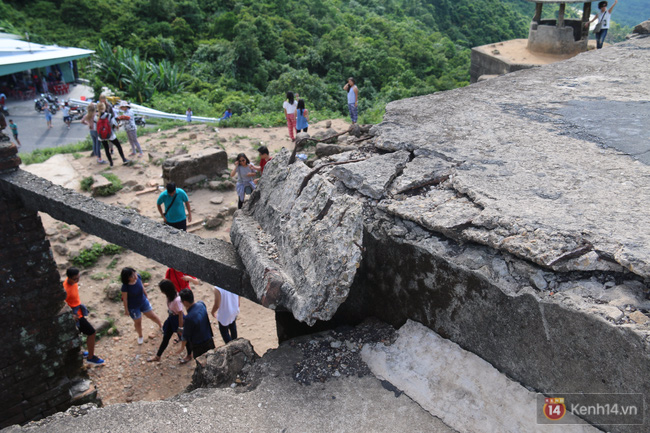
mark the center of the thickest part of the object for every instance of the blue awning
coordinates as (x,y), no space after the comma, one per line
(16,56)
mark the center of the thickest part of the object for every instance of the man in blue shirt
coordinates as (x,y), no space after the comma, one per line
(173,199)
(196,329)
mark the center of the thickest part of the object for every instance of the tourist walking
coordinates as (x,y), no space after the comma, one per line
(245,172)
(67,119)
(174,321)
(264,157)
(604,17)
(353,99)
(106,126)
(90,119)
(14,131)
(71,286)
(174,214)
(290,106)
(197,331)
(302,117)
(226,309)
(136,302)
(48,115)
(131,128)
(179,279)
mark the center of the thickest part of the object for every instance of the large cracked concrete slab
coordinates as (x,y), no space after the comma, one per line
(512,228)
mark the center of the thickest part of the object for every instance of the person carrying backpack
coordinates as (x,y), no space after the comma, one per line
(106,125)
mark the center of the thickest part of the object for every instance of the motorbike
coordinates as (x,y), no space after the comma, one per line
(140,121)
(51,99)
(77,112)
(4,110)
(39,104)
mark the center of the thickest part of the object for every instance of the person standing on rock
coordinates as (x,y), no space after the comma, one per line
(290,106)
(71,286)
(174,214)
(226,309)
(136,302)
(604,17)
(245,172)
(197,331)
(353,99)
(175,320)
(302,117)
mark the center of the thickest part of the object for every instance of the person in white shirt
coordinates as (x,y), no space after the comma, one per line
(604,17)
(290,106)
(128,117)
(225,309)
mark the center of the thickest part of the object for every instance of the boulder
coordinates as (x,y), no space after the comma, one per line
(113,292)
(216,200)
(207,162)
(643,28)
(60,249)
(323,149)
(329,132)
(214,222)
(220,367)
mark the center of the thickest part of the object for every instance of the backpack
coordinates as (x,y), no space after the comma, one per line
(104,128)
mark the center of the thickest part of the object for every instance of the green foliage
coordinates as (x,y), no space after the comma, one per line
(216,54)
(99,276)
(115,186)
(87,183)
(42,155)
(145,276)
(112,264)
(89,256)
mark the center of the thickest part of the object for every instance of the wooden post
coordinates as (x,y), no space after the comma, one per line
(538,12)
(586,13)
(560,15)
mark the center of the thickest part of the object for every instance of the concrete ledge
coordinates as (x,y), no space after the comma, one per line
(211,260)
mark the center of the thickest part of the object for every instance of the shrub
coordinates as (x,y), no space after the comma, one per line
(115,186)
(88,257)
(146,276)
(87,183)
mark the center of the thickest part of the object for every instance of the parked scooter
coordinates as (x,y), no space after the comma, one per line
(40,103)
(77,112)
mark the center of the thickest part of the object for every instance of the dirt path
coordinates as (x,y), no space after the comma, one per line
(127,376)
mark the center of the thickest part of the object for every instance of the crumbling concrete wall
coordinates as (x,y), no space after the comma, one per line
(186,170)
(40,357)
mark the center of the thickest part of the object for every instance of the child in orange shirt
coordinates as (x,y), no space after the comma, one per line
(71,286)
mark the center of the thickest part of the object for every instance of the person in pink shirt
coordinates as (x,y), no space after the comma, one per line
(174,322)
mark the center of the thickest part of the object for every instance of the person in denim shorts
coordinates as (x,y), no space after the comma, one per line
(135,300)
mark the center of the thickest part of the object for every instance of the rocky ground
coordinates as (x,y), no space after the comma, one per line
(127,376)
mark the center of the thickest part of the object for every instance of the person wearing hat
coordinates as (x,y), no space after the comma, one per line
(131,129)
(353,99)
(174,215)
(603,17)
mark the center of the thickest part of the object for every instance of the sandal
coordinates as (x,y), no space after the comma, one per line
(184,360)
(153,359)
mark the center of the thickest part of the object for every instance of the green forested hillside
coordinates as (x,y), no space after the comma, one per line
(210,54)
(630,12)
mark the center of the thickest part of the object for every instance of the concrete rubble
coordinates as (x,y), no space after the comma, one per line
(186,170)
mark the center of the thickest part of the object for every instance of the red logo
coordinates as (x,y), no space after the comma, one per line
(554,408)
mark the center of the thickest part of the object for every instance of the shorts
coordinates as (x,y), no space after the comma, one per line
(85,327)
(136,313)
(15,136)
(67,118)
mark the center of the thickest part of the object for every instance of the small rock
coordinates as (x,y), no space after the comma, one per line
(537,281)
(60,249)
(130,183)
(216,200)
(639,317)
(214,222)
(612,313)
(125,221)
(328,124)
(51,231)
(192,136)
(138,188)
(335,344)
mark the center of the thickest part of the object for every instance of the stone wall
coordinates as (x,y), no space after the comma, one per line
(40,357)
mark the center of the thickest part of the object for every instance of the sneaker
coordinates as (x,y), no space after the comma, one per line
(95,360)
(101,161)
(140,340)
(126,161)
(85,354)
